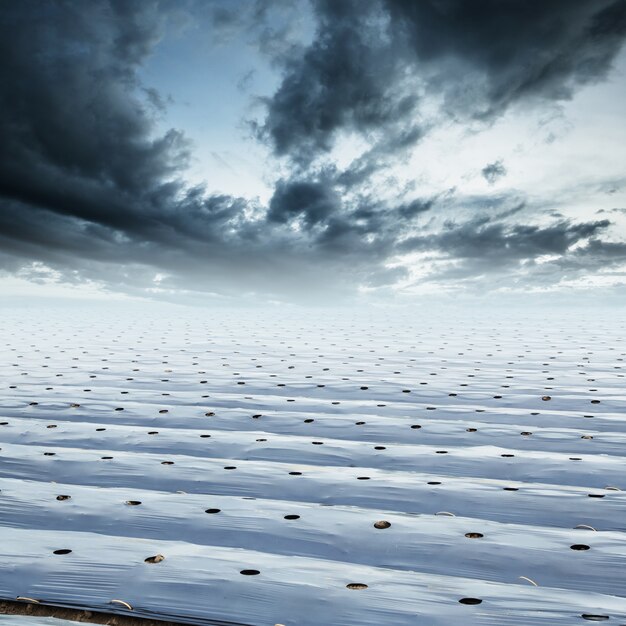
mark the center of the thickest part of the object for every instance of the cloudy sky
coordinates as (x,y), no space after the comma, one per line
(296,150)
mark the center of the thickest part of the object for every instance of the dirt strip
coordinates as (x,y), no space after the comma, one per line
(13,607)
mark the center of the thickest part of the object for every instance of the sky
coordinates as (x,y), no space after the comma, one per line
(313,151)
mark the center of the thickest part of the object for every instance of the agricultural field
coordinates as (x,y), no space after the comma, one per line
(306,467)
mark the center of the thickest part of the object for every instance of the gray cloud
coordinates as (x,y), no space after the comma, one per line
(482,252)
(480,238)
(493,172)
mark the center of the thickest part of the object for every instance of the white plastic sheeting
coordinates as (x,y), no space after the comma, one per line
(433,461)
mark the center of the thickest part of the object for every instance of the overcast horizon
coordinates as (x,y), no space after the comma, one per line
(313,151)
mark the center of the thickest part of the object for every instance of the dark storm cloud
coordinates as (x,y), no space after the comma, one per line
(313,201)
(493,172)
(347,79)
(74,135)
(370,65)
(515,49)
(84,180)
(90,189)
